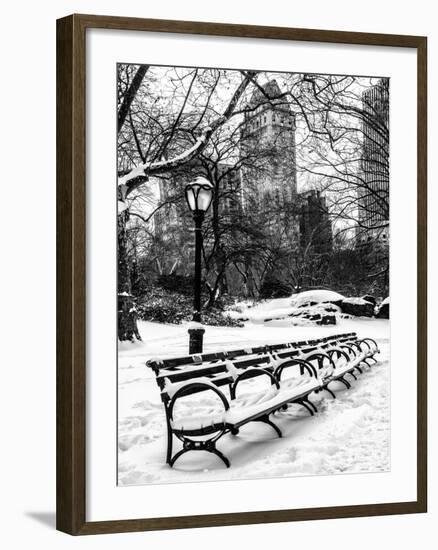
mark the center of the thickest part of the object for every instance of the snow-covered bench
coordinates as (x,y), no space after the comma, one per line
(335,360)
(348,358)
(292,371)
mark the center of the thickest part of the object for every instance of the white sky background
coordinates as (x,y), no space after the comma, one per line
(162,83)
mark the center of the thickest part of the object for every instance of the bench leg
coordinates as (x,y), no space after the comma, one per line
(232,391)
(268,421)
(169,443)
(330,392)
(209,446)
(342,379)
(178,454)
(307,406)
(311,404)
(221,456)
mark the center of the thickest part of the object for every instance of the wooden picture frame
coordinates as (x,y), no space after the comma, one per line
(71,273)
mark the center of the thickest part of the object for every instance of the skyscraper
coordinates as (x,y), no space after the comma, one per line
(373,191)
(268,148)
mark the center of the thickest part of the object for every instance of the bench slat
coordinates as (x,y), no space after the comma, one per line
(222,355)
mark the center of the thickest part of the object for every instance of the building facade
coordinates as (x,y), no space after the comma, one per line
(267,149)
(373,211)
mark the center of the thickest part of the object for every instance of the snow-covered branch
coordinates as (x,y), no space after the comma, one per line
(143,171)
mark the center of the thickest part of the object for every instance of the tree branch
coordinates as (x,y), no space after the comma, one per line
(130,94)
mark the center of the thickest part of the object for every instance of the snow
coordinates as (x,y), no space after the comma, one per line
(345,366)
(153,359)
(356,301)
(385,301)
(237,414)
(142,169)
(318,296)
(349,434)
(172,387)
(134,173)
(281,308)
(232,371)
(192,325)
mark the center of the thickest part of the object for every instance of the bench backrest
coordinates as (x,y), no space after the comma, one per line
(219,368)
(157,364)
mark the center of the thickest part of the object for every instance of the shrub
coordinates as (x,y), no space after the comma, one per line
(163,306)
(176,283)
(274,288)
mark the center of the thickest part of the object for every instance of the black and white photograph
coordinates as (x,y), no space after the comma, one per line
(253,245)
(218,275)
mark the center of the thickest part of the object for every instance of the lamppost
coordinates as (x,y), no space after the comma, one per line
(199,194)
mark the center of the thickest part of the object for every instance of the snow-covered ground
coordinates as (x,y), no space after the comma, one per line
(349,434)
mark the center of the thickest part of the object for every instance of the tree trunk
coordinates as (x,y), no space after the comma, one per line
(130,94)
(218,261)
(127,313)
(217,290)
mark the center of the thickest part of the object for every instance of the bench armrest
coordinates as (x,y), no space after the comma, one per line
(186,388)
(252,373)
(339,352)
(320,357)
(366,342)
(351,347)
(295,362)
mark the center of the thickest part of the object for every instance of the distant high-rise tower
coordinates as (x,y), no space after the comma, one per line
(373,212)
(268,149)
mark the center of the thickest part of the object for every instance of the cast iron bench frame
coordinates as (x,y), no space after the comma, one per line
(316,357)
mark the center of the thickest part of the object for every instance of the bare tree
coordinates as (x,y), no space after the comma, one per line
(185,121)
(164,133)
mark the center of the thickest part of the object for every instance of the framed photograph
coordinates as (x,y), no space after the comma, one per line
(241,274)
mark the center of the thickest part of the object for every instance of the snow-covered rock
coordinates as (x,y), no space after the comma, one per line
(383,309)
(313,297)
(282,308)
(320,314)
(357,307)
(369,298)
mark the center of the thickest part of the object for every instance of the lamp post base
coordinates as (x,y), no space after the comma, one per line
(196,339)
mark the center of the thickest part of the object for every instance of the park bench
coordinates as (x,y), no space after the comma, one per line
(314,365)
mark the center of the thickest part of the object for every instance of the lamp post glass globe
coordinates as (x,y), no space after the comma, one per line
(199,194)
